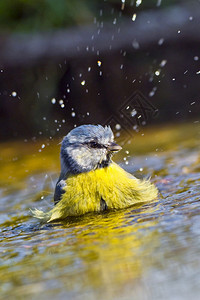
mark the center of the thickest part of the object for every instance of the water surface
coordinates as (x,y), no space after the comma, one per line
(142,252)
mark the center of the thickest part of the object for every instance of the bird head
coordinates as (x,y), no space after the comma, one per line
(87,148)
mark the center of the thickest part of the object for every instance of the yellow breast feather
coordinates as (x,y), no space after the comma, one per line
(83,193)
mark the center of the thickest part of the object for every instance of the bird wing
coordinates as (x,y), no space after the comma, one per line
(59,190)
(103,205)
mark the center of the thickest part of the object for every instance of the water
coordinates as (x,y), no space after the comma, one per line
(142,252)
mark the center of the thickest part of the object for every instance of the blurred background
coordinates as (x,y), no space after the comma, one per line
(132,64)
(65,63)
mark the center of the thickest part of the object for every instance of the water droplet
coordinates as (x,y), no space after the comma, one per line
(73,114)
(157,73)
(53,101)
(43,146)
(133,112)
(161,41)
(117,126)
(135,44)
(123,4)
(190,18)
(141,169)
(89,69)
(138,2)
(196,58)
(14,94)
(62,105)
(60,101)
(151,94)
(134,17)
(99,63)
(135,127)
(158,3)
(179,31)
(83,82)
(163,62)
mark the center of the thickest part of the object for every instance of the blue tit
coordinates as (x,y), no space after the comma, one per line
(89,180)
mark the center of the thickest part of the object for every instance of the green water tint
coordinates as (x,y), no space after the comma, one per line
(142,252)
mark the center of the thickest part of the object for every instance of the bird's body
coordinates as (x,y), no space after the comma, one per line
(90,181)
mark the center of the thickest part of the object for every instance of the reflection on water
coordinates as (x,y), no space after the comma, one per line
(143,252)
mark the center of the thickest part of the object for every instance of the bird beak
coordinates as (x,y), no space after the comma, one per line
(114,147)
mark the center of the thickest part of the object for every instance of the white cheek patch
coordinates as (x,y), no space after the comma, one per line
(83,157)
(80,157)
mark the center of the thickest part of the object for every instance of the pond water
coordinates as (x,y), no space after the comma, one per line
(143,252)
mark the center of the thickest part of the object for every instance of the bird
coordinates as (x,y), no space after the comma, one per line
(89,180)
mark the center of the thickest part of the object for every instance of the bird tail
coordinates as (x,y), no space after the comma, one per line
(39,214)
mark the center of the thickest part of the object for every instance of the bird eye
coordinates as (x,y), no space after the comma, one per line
(94,145)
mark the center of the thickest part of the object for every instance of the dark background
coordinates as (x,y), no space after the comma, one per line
(98,64)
